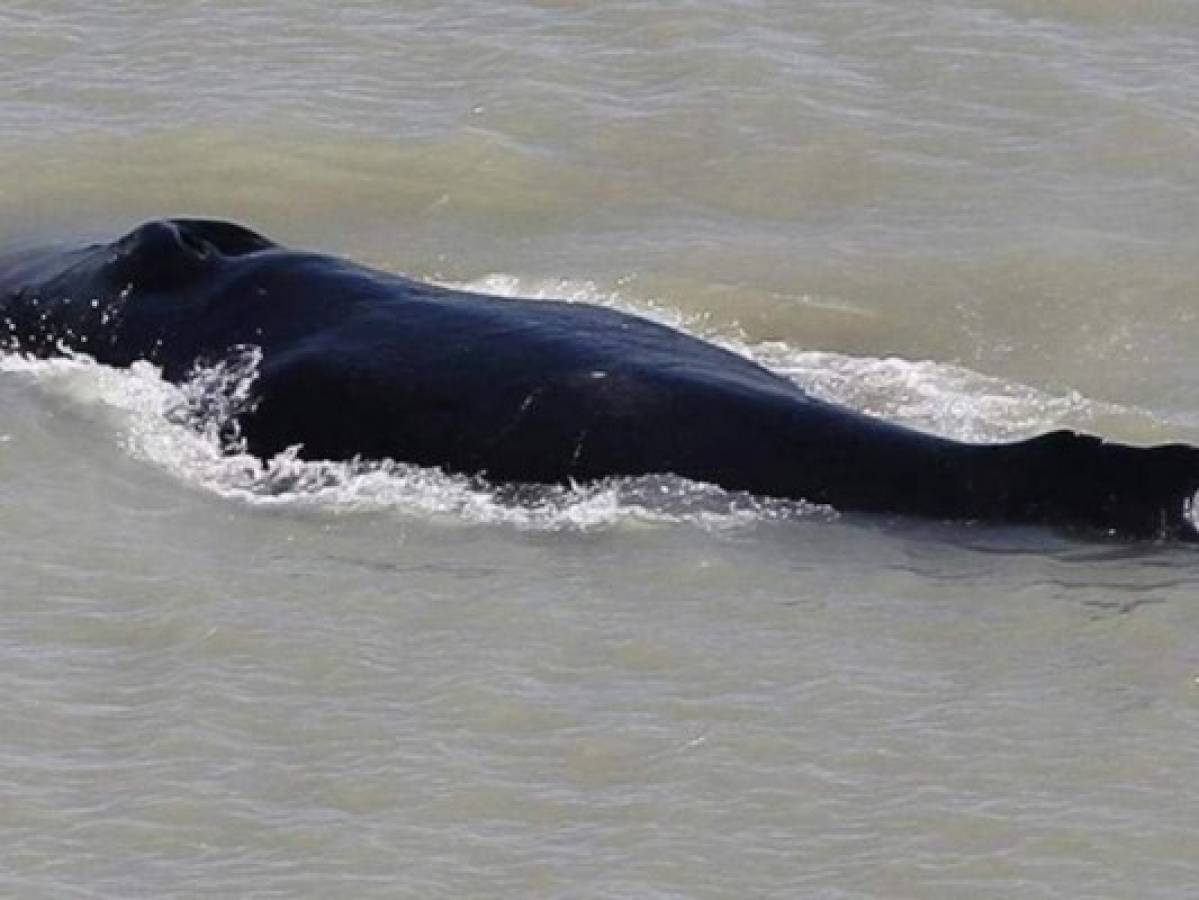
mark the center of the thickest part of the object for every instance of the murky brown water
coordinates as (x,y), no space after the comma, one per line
(978,217)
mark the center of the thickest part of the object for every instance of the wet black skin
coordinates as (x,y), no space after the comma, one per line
(358,362)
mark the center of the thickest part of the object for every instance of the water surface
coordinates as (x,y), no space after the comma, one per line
(975,217)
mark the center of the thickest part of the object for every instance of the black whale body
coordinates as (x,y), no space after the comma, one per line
(357,362)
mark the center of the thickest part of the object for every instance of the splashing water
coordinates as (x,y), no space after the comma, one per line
(190,431)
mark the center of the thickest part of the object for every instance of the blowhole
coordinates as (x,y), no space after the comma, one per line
(225,238)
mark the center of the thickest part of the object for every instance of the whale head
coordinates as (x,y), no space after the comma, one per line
(129,298)
(167,253)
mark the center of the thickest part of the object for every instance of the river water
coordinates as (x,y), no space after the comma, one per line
(977,216)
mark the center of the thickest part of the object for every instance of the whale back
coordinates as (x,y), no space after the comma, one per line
(358,362)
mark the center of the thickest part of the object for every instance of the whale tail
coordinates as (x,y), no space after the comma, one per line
(1067,478)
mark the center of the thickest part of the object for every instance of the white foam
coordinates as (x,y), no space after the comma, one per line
(184,430)
(944,399)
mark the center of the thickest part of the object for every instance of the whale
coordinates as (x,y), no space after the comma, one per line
(358,363)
